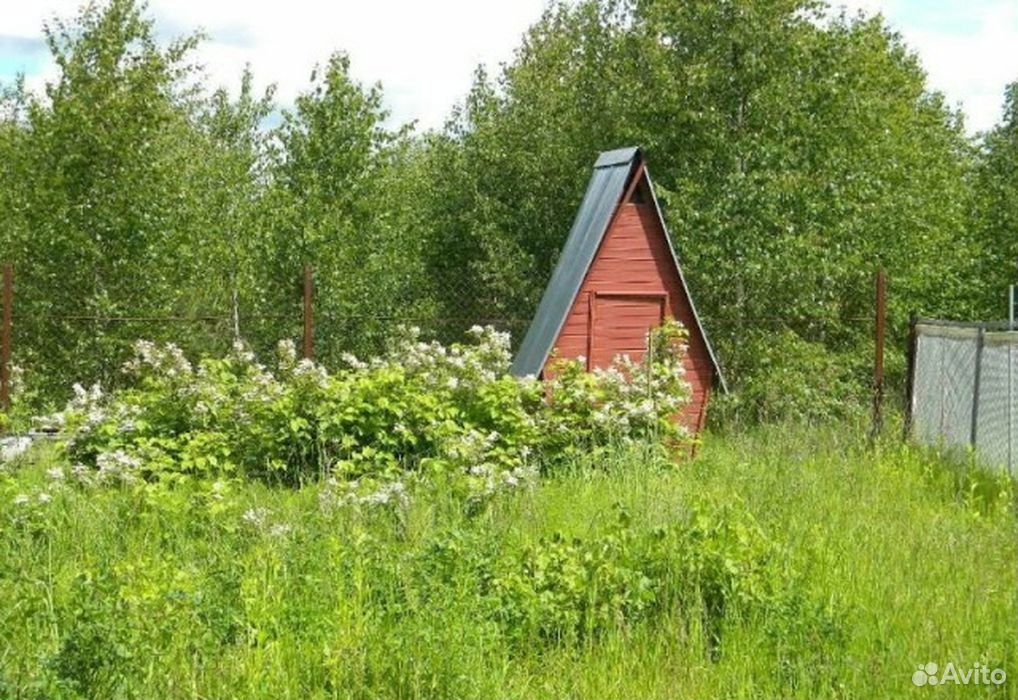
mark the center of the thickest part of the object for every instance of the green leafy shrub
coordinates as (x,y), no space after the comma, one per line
(781,376)
(421,409)
(571,589)
(712,565)
(587,411)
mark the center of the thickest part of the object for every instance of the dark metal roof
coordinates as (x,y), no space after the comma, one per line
(612,172)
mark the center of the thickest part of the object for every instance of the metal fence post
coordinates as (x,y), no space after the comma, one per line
(910,360)
(309,319)
(5,338)
(980,342)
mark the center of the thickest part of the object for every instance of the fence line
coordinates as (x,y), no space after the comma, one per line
(963,389)
(322,330)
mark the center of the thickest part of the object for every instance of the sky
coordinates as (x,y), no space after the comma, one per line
(424,52)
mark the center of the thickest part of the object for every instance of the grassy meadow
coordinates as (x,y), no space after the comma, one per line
(781,562)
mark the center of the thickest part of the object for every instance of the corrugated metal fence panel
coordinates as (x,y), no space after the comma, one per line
(945,374)
(945,392)
(994,436)
(958,363)
(1013,416)
(927,397)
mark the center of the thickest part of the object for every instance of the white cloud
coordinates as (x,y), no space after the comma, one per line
(424,53)
(969,49)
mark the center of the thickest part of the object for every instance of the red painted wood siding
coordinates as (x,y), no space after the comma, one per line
(634,260)
(621,322)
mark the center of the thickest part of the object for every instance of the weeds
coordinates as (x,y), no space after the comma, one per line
(783,562)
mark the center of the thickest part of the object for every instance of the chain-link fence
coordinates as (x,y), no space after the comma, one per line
(965,389)
(53,342)
(795,365)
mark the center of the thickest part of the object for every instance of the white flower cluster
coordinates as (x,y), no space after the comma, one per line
(311,371)
(259,519)
(476,454)
(626,400)
(117,466)
(286,354)
(12,447)
(454,367)
(487,480)
(24,501)
(211,399)
(255,517)
(167,360)
(350,360)
(85,403)
(450,392)
(366,493)
(83,475)
(242,353)
(472,446)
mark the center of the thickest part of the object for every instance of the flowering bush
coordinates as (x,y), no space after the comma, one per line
(420,408)
(588,410)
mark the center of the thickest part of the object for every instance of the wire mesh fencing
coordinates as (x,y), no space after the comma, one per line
(965,390)
(58,337)
(53,342)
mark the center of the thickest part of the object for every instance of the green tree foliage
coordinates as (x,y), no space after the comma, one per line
(795,153)
(995,216)
(795,150)
(97,187)
(226,228)
(131,191)
(329,207)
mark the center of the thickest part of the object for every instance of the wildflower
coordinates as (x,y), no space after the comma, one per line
(378,498)
(350,359)
(286,353)
(44,498)
(117,464)
(82,474)
(308,368)
(255,517)
(169,359)
(393,492)
(12,447)
(55,474)
(280,530)
(21,499)
(242,352)
(52,423)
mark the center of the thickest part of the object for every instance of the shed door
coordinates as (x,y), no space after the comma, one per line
(619,324)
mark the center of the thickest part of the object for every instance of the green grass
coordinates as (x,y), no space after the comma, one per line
(883,558)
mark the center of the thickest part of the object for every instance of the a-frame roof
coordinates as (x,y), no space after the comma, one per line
(612,173)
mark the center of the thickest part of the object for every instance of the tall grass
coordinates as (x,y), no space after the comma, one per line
(879,559)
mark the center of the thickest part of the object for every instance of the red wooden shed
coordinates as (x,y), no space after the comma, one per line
(617,277)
